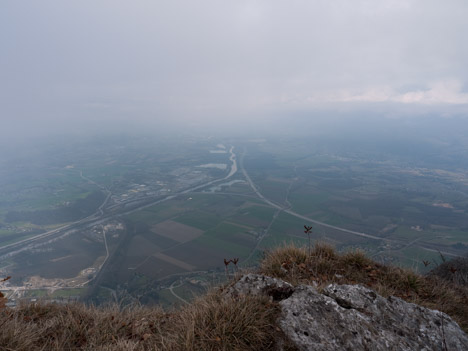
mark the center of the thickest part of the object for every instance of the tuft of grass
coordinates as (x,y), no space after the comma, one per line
(215,321)
(356,259)
(212,322)
(325,266)
(75,326)
(324,251)
(284,262)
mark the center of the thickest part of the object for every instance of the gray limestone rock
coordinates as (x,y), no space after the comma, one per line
(352,317)
(256,284)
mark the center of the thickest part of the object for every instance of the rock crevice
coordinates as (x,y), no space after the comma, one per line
(353,317)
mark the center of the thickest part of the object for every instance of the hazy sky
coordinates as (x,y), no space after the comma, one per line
(64,63)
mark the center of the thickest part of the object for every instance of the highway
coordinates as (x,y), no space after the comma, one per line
(286,209)
(295,214)
(100,216)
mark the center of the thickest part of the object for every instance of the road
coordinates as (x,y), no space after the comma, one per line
(171,289)
(96,215)
(262,236)
(287,210)
(295,214)
(100,216)
(232,171)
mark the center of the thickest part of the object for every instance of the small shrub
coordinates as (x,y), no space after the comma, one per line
(454,271)
(412,281)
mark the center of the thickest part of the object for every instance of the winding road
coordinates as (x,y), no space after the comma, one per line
(171,289)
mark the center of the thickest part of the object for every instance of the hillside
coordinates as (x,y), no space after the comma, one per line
(219,320)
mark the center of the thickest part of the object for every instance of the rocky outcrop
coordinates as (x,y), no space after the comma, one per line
(255,285)
(353,317)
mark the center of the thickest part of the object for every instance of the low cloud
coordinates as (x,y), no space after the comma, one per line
(443,92)
(208,62)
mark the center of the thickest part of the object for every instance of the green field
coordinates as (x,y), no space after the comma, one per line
(410,203)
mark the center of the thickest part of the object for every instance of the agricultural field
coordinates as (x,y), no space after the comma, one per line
(153,221)
(65,207)
(407,203)
(190,235)
(58,183)
(195,232)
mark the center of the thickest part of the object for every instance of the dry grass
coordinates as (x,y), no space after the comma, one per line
(216,322)
(212,322)
(325,266)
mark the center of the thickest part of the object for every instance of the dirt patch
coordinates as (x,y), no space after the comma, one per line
(176,231)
